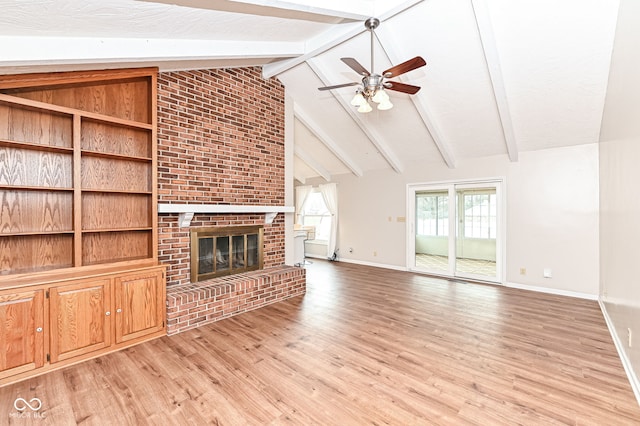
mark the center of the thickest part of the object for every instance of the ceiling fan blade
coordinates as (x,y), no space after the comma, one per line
(401,87)
(356,66)
(406,66)
(337,86)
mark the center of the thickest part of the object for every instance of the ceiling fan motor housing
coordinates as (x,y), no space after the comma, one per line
(371,83)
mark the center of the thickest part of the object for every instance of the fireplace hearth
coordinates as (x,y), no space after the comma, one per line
(220,251)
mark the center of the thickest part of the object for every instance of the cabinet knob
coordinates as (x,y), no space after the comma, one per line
(39,329)
(108,313)
(118,310)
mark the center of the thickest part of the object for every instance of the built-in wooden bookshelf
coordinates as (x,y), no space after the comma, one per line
(77,183)
(78,216)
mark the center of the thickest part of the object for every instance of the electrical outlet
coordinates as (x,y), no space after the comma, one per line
(350,249)
(547,273)
(629,335)
(523,271)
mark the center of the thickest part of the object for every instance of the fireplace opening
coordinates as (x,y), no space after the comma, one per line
(220,251)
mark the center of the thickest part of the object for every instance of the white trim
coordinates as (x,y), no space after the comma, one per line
(375,265)
(626,363)
(538,289)
(492,58)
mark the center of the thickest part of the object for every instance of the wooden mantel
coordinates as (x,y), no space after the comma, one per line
(187,210)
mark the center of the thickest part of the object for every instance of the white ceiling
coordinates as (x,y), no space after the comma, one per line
(502,76)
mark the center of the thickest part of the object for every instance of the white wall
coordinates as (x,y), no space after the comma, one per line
(552,214)
(619,190)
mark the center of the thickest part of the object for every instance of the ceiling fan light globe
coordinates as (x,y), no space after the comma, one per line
(358,100)
(365,107)
(380,96)
(385,105)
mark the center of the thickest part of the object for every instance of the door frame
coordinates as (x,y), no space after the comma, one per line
(412,188)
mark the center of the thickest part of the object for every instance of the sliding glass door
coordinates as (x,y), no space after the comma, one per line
(455,229)
(432,230)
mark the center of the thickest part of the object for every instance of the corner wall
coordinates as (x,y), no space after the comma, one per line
(619,192)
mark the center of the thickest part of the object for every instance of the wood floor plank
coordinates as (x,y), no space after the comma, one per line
(363,346)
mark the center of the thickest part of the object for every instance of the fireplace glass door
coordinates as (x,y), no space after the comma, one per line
(224,251)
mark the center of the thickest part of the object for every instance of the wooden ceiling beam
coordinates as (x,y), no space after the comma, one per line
(34,51)
(338,34)
(326,140)
(308,159)
(392,48)
(330,11)
(492,57)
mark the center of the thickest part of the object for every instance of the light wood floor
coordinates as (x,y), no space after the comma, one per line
(364,346)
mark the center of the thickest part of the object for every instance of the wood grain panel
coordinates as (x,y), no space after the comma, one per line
(35,211)
(21,345)
(39,127)
(105,247)
(127,99)
(33,168)
(80,318)
(35,253)
(105,173)
(117,211)
(139,305)
(102,137)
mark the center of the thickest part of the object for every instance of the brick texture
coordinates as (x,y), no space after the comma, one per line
(193,305)
(220,141)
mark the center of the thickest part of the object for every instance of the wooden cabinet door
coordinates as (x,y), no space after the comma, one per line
(140,305)
(80,318)
(21,331)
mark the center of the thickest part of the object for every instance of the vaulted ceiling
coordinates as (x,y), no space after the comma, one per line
(502,76)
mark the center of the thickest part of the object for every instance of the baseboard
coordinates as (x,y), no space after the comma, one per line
(555,291)
(626,363)
(375,265)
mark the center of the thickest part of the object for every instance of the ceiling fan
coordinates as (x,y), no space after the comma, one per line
(372,87)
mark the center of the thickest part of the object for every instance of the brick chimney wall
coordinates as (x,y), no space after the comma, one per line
(220,141)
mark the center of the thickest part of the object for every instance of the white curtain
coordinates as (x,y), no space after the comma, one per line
(330,194)
(302,192)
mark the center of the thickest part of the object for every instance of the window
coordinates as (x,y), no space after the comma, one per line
(432,214)
(315,213)
(480,215)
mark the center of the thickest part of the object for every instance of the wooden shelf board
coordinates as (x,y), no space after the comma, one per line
(91,116)
(115,156)
(35,146)
(96,231)
(117,191)
(51,108)
(29,233)
(34,188)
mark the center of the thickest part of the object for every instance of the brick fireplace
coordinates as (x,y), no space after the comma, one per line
(221,142)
